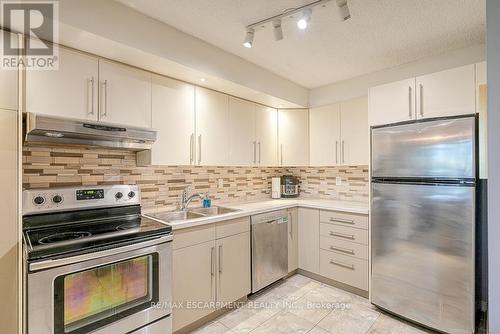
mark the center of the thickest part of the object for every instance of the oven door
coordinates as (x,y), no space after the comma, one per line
(111,291)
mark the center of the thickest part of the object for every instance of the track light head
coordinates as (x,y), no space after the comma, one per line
(277,30)
(249,38)
(344,12)
(304,20)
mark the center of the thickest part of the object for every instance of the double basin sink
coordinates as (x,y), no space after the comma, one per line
(177,216)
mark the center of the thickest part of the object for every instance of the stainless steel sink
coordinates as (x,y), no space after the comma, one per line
(213,211)
(177,216)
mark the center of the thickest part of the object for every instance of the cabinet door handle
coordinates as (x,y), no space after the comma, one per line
(344,265)
(336,152)
(281,149)
(421,100)
(91,109)
(220,259)
(105,109)
(199,149)
(343,250)
(191,143)
(212,261)
(290,221)
(342,235)
(343,152)
(342,220)
(254,152)
(259,152)
(409,102)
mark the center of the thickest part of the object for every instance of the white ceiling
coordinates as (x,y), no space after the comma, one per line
(381,33)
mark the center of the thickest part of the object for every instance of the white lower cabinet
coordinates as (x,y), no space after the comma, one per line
(193,281)
(334,245)
(293,239)
(309,240)
(211,267)
(233,263)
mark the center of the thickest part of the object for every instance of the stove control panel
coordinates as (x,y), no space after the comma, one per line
(71,198)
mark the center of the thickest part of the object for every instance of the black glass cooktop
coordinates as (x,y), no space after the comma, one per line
(70,233)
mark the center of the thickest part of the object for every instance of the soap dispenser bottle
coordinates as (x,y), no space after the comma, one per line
(207,202)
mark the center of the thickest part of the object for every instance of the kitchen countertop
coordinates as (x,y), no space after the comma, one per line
(256,207)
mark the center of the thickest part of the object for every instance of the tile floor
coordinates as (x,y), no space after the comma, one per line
(302,305)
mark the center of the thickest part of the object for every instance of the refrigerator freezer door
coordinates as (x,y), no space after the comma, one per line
(435,149)
(422,253)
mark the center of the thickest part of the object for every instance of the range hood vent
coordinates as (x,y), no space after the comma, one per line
(42,129)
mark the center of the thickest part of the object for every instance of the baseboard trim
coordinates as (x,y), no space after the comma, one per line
(208,318)
(334,283)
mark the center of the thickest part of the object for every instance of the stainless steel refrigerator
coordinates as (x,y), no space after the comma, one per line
(423,203)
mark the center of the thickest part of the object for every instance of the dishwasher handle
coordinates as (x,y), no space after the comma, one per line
(273,221)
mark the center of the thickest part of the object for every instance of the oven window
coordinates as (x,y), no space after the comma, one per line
(92,298)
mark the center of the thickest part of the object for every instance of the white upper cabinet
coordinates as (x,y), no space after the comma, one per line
(355,132)
(293,129)
(70,91)
(173,117)
(325,135)
(212,127)
(392,103)
(446,93)
(242,143)
(9,83)
(125,94)
(266,135)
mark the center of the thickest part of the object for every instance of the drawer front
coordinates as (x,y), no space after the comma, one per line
(344,247)
(193,236)
(344,233)
(232,227)
(344,219)
(344,269)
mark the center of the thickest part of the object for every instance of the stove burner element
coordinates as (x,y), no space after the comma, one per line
(126,226)
(58,237)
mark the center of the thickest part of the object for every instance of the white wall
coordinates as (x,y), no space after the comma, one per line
(113,30)
(358,86)
(493,70)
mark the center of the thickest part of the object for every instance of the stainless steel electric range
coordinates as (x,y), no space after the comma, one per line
(94,264)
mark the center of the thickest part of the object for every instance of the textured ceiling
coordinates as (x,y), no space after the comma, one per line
(380,34)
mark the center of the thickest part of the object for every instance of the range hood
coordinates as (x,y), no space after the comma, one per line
(42,129)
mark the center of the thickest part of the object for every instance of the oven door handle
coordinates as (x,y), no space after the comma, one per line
(47,264)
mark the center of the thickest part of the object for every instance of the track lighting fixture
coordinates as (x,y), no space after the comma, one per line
(304,20)
(277,30)
(303,14)
(249,38)
(344,12)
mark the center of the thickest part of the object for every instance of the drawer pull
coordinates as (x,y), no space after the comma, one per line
(342,220)
(342,235)
(343,250)
(343,265)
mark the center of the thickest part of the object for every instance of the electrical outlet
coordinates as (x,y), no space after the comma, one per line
(220,183)
(338,181)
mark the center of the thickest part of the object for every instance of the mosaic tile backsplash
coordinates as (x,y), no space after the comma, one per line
(161,186)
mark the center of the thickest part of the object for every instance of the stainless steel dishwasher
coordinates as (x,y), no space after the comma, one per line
(269,248)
